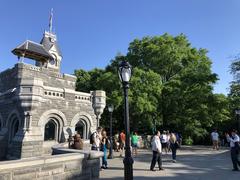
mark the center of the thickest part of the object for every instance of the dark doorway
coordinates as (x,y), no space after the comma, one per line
(80,129)
(13,129)
(50,131)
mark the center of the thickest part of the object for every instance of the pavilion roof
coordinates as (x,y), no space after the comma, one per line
(32,50)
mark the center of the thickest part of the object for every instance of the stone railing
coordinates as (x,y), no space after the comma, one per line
(27,66)
(80,96)
(53,92)
(32,67)
(65,164)
(63,149)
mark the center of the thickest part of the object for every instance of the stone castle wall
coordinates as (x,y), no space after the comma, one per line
(34,95)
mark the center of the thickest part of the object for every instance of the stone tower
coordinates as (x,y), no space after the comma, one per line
(39,106)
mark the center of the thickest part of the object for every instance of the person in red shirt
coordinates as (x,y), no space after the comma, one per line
(122,139)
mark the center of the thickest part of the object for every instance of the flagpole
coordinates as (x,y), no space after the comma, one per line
(50,21)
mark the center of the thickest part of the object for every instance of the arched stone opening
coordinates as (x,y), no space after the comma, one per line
(13,128)
(82,128)
(51,130)
(82,123)
(52,123)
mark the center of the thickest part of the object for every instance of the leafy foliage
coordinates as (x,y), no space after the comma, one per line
(234,94)
(171,86)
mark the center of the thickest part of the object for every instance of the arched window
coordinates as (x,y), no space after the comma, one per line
(51,131)
(82,129)
(13,129)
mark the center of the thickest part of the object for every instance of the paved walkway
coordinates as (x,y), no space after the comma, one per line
(193,163)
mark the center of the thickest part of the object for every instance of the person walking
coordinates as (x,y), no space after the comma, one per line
(164,141)
(157,151)
(215,139)
(168,142)
(104,144)
(95,139)
(116,142)
(173,145)
(122,139)
(134,140)
(234,144)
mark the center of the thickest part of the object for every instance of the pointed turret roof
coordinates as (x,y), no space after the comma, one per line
(49,40)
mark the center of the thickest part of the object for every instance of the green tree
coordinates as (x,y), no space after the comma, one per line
(234,94)
(186,78)
(172,83)
(83,80)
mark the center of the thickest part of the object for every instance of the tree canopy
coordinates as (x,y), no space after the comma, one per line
(171,87)
(234,94)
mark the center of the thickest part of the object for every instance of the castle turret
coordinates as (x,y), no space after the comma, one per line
(46,53)
(49,42)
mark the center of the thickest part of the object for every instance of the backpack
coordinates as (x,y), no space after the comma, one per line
(108,144)
(92,138)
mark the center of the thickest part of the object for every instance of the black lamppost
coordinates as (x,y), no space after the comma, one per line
(237,111)
(125,72)
(110,109)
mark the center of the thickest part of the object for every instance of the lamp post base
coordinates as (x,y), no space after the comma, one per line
(128,168)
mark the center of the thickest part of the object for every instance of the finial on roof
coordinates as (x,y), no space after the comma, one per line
(50,21)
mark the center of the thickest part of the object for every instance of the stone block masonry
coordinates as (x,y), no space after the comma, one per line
(32,96)
(60,167)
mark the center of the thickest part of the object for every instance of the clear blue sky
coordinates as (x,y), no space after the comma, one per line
(92,32)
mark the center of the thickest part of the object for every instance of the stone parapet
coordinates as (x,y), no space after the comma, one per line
(89,154)
(67,166)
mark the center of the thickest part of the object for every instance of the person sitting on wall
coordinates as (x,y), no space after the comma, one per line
(78,143)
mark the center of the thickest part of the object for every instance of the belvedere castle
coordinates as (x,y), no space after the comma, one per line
(39,106)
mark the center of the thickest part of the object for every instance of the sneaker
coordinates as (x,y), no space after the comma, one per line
(174,161)
(161,169)
(152,170)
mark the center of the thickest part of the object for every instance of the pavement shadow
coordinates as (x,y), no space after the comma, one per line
(195,166)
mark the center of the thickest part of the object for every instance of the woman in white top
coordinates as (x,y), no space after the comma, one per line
(157,151)
(164,141)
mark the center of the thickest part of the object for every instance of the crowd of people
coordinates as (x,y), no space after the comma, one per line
(100,142)
(160,144)
(169,142)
